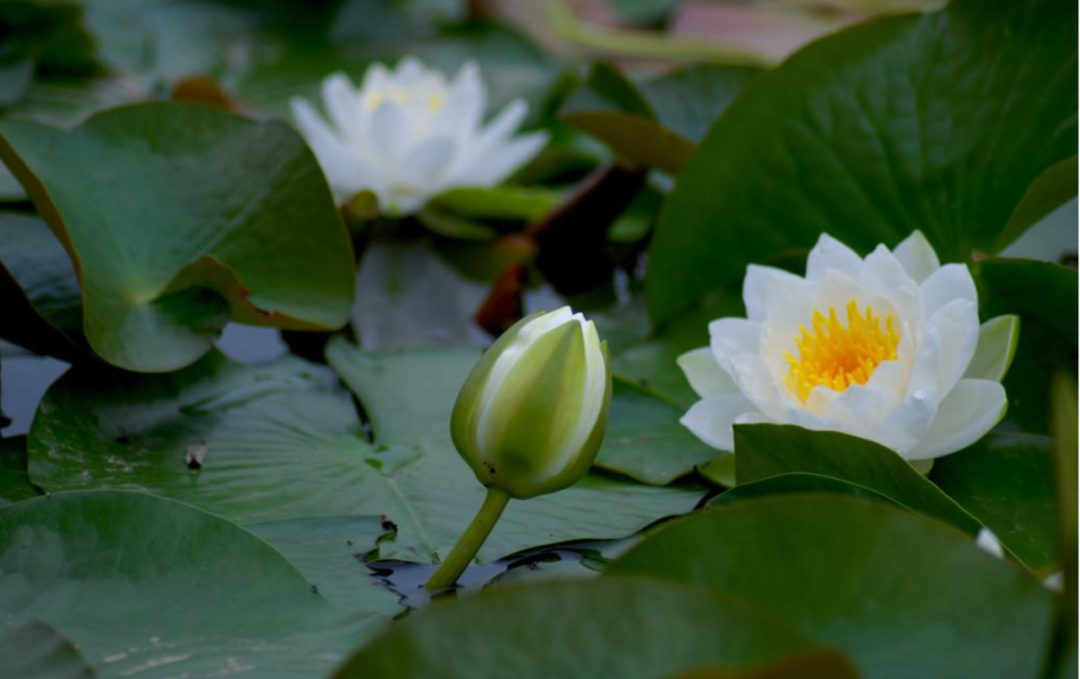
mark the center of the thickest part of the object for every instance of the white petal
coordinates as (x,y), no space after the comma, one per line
(756,383)
(756,285)
(493,135)
(989,543)
(862,406)
(908,422)
(340,99)
(731,337)
(390,134)
(409,72)
(426,164)
(705,375)
(346,173)
(710,419)
(996,348)
(917,256)
(971,410)
(465,104)
(957,324)
(376,78)
(830,253)
(504,160)
(882,275)
(952,281)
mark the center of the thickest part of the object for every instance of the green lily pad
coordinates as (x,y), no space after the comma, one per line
(903,596)
(257,426)
(801,483)
(645,441)
(330,552)
(570,630)
(925,121)
(1031,288)
(37,651)
(180,217)
(14,480)
(408,397)
(764,450)
(38,288)
(1007,481)
(146,585)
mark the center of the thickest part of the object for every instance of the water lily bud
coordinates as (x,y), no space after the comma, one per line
(531,416)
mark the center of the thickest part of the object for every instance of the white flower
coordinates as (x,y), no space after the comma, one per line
(531,416)
(409,134)
(883,348)
(989,543)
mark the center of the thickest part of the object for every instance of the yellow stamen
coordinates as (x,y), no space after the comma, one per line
(836,356)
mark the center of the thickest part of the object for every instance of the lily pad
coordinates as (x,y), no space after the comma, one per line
(1007,481)
(645,440)
(570,629)
(330,551)
(764,450)
(38,288)
(14,480)
(874,577)
(179,217)
(925,121)
(37,651)
(408,397)
(258,425)
(146,585)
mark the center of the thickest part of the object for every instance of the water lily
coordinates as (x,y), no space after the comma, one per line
(886,347)
(410,133)
(529,419)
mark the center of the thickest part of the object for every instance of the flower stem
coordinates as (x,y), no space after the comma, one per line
(470,542)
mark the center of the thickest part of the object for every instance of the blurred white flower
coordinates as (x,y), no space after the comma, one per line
(409,134)
(883,348)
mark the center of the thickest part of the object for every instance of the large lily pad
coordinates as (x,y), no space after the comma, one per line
(874,577)
(937,122)
(1007,481)
(180,217)
(280,442)
(37,651)
(146,585)
(611,628)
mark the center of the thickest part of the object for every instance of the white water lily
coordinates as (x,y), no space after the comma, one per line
(408,134)
(886,348)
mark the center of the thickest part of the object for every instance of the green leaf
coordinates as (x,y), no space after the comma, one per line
(645,441)
(37,651)
(816,664)
(994,353)
(1031,288)
(933,122)
(409,296)
(280,443)
(1007,481)
(796,483)
(1050,190)
(505,202)
(408,397)
(606,628)
(863,577)
(330,552)
(144,584)
(14,480)
(39,291)
(201,212)
(656,123)
(764,450)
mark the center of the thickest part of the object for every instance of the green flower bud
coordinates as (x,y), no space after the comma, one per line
(531,416)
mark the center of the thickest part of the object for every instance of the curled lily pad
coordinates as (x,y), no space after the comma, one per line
(179,218)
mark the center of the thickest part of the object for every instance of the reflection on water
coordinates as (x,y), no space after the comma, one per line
(24,379)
